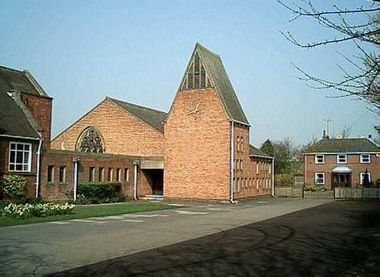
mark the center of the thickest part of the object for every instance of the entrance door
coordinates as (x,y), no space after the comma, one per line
(342,179)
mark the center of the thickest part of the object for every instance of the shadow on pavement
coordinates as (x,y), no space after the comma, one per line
(340,238)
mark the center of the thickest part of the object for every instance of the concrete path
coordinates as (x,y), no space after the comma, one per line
(43,248)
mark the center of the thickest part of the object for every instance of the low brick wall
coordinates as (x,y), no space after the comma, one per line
(288,192)
(328,194)
(357,193)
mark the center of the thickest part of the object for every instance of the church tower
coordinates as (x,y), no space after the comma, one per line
(201,132)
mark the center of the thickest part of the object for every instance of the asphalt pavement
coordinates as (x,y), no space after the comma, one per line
(341,238)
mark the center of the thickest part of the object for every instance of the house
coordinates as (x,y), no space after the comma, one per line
(25,118)
(342,162)
(198,150)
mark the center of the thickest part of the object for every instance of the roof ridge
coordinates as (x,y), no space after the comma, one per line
(204,48)
(11,69)
(139,106)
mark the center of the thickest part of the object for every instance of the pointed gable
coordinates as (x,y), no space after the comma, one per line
(206,69)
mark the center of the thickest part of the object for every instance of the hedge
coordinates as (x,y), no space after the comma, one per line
(98,192)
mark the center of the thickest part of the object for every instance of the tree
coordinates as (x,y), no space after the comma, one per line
(284,155)
(267,148)
(359,25)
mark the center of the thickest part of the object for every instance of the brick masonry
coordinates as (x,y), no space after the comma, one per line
(353,162)
(122,132)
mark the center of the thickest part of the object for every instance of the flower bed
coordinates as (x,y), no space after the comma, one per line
(36,210)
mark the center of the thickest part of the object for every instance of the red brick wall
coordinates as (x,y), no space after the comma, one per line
(353,161)
(40,108)
(4,161)
(255,176)
(197,147)
(56,190)
(122,132)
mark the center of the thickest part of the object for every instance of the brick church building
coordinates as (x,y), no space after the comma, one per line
(198,150)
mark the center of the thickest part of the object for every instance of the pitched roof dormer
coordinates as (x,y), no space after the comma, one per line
(205,69)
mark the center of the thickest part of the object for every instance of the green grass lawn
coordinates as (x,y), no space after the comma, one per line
(91,211)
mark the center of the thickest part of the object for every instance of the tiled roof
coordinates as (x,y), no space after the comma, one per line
(152,117)
(13,120)
(217,73)
(348,145)
(253,151)
(22,81)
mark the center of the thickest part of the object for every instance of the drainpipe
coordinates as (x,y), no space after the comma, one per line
(76,162)
(135,163)
(232,154)
(273,189)
(38,166)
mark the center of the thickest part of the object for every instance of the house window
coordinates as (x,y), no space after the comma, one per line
(320,178)
(241,164)
(101,174)
(365,158)
(126,175)
(62,174)
(257,168)
(341,158)
(319,159)
(118,174)
(91,174)
(110,174)
(20,156)
(362,177)
(50,176)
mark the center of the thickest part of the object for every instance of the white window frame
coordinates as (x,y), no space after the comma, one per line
(24,163)
(362,160)
(338,158)
(64,174)
(317,156)
(316,178)
(362,176)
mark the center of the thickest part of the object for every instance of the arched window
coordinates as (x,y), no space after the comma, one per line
(90,141)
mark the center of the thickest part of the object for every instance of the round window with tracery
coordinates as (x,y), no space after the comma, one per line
(90,141)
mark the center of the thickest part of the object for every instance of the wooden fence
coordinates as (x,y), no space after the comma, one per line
(288,192)
(357,193)
(328,194)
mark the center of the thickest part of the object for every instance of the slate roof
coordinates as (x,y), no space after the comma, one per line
(217,73)
(13,120)
(22,81)
(253,151)
(348,145)
(152,117)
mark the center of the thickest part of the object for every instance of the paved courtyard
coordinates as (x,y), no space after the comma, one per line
(341,238)
(43,248)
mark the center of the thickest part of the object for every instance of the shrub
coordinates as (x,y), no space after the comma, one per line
(284,180)
(36,210)
(14,186)
(93,193)
(309,187)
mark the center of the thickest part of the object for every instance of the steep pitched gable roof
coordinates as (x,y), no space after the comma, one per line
(253,151)
(13,120)
(348,145)
(152,117)
(217,74)
(22,81)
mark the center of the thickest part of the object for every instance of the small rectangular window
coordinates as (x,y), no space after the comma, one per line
(319,159)
(110,174)
(126,174)
(341,158)
(365,158)
(50,177)
(101,174)
(118,174)
(91,174)
(319,178)
(62,174)
(362,177)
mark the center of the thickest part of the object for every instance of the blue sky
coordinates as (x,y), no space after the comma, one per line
(137,51)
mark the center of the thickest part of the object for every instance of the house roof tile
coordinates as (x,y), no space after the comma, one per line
(347,145)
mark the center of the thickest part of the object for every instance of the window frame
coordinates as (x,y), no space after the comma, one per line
(361,177)
(318,156)
(63,179)
(365,162)
(50,174)
(28,163)
(316,178)
(338,157)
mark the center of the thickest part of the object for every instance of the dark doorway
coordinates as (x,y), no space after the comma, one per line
(155,178)
(341,179)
